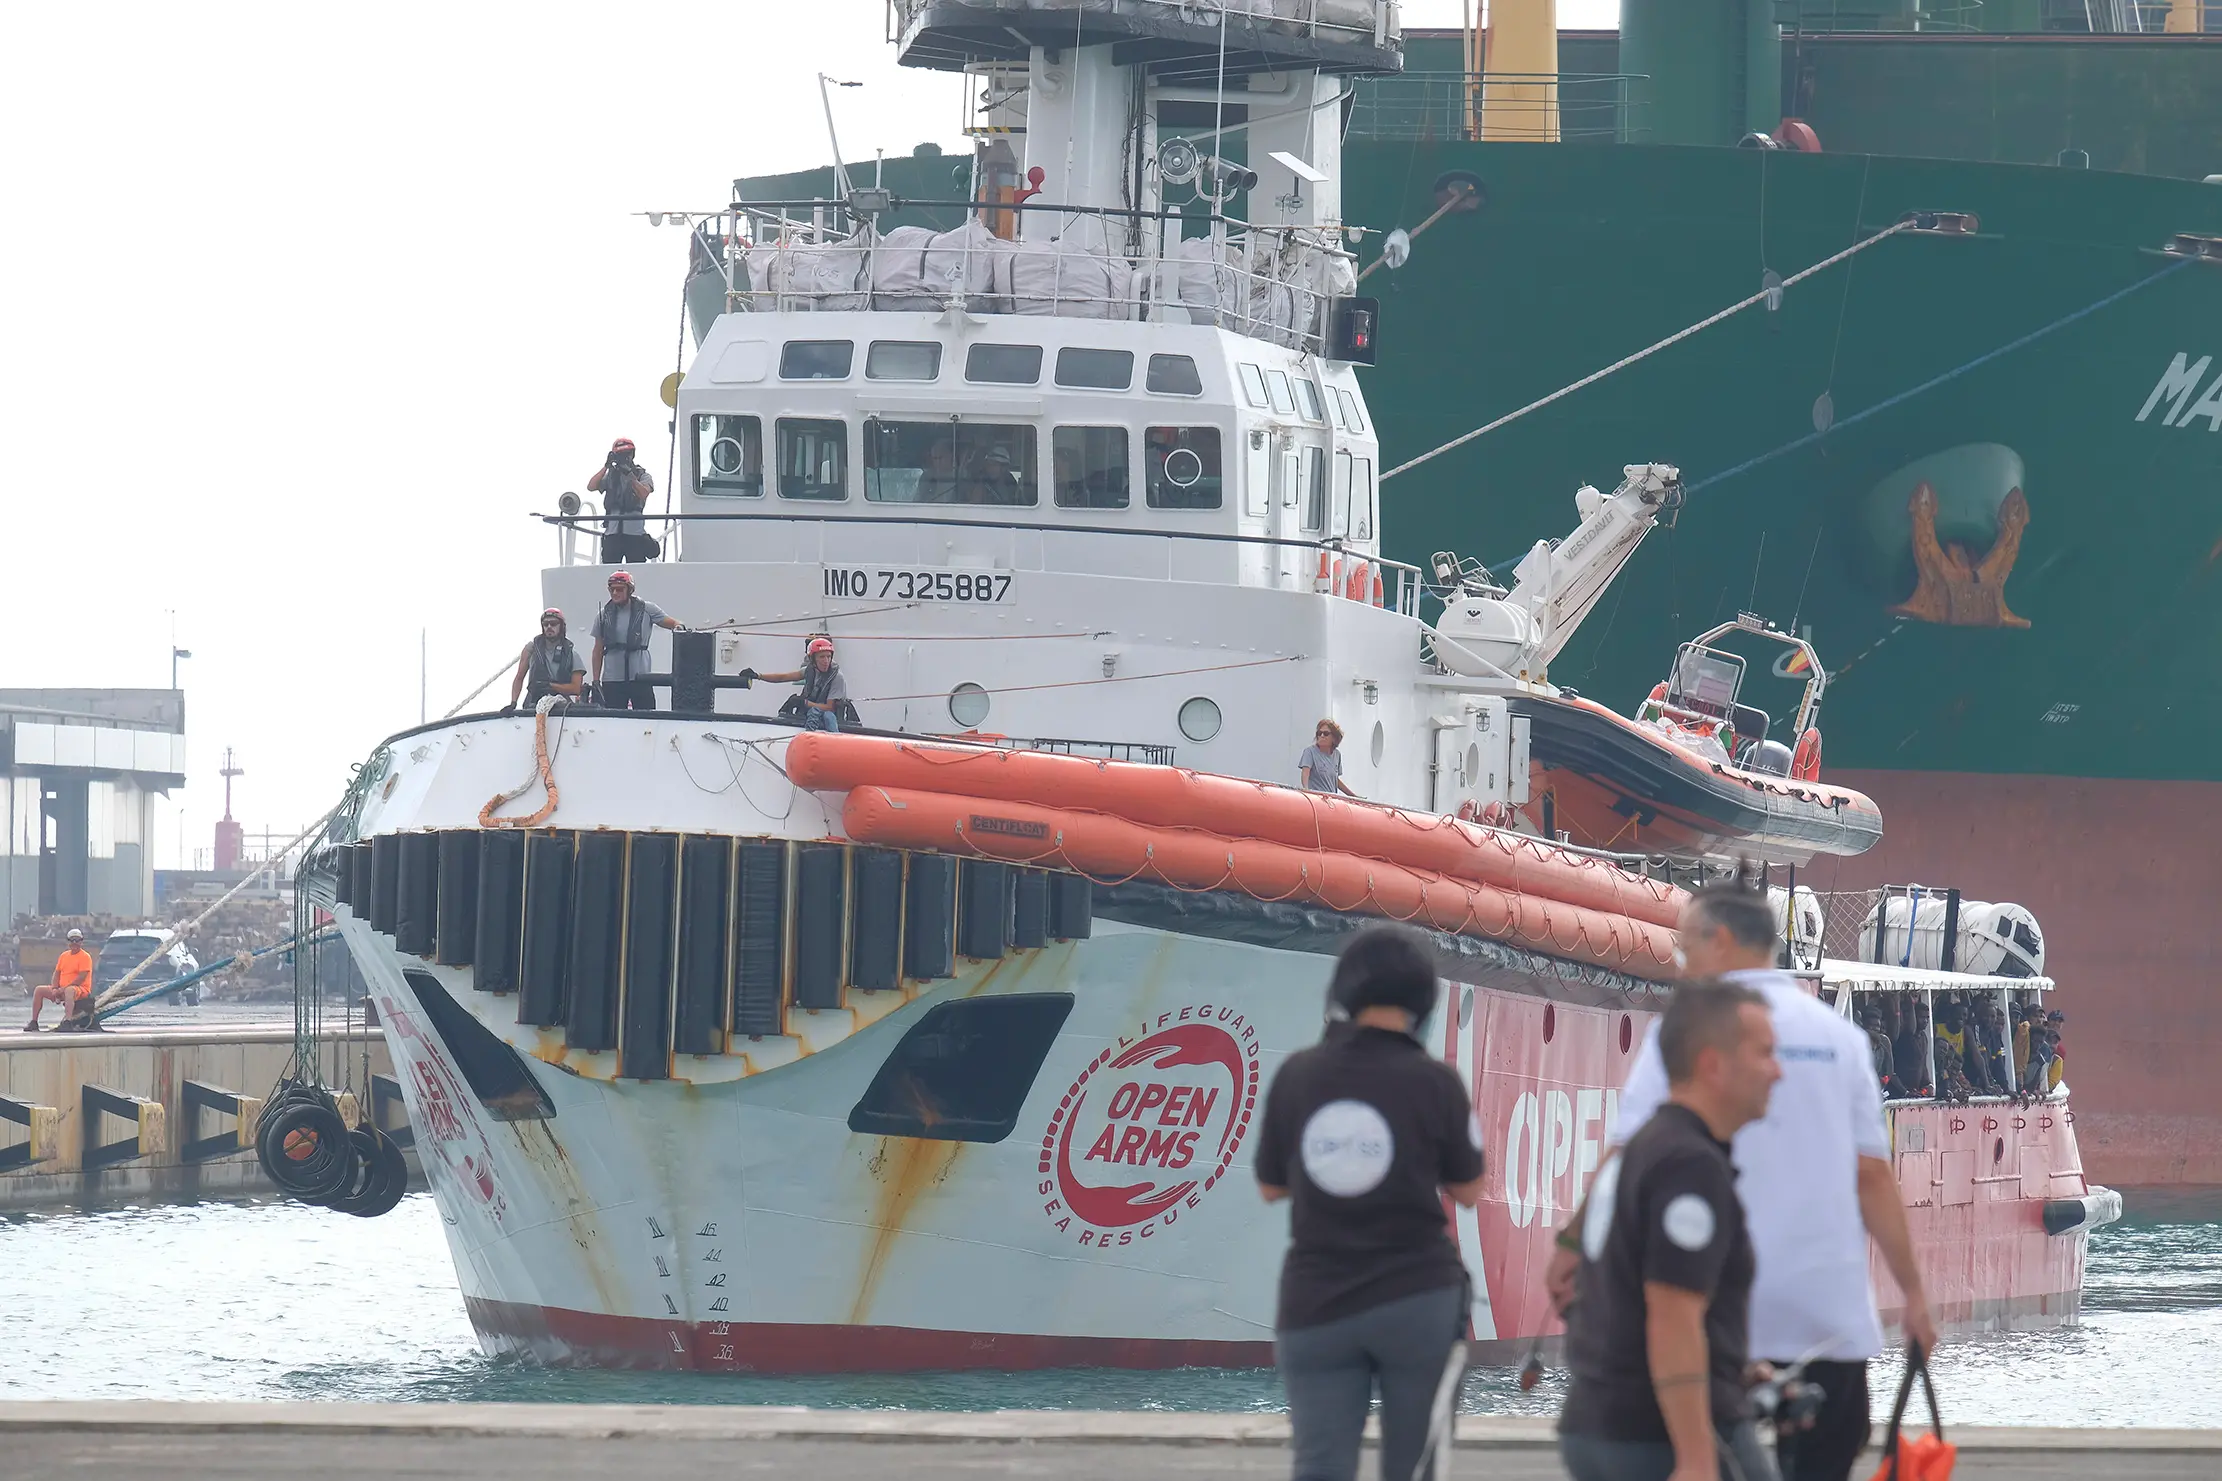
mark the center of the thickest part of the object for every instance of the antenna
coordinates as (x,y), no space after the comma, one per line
(840,170)
(227,771)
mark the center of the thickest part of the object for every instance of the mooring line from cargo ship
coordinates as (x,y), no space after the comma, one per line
(1937,380)
(108,998)
(1643,354)
(543,772)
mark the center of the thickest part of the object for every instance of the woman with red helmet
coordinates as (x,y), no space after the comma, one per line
(824,691)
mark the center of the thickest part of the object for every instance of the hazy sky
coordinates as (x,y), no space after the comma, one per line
(305,307)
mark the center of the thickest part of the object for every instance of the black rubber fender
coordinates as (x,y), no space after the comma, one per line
(388,1182)
(365,1182)
(321,1160)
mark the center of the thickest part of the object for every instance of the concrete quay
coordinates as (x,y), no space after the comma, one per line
(144,1441)
(156,1111)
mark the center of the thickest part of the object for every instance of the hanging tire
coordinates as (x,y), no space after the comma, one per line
(365,1181)
(388,1182)
(306,1150)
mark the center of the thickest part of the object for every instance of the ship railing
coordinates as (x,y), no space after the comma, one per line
(1976,17)
(1401,583)
(1277,283)
(1352,22)
(1545,107)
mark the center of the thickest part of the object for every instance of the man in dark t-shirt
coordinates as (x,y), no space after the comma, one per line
(1657,1334)
(1365,1133)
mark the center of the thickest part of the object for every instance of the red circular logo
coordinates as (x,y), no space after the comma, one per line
(1151,1125)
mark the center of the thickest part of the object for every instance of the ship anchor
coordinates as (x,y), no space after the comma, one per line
(1954,588)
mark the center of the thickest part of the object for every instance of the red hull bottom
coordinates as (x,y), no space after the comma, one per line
(563,1338)
(2127,919)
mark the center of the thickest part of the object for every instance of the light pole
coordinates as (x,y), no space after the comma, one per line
(176,652)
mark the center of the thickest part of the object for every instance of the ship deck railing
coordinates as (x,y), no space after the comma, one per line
(1272,282)
(1546,107)
(2156,18)
(1402,585)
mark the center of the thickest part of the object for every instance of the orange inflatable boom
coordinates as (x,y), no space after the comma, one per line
(1236,808)
(1117,849)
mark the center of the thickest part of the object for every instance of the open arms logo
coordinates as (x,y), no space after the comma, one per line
(1151,1125)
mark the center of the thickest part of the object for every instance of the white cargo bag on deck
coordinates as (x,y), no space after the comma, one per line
(805,279)
(899,269)
(1076,276)
(969,264)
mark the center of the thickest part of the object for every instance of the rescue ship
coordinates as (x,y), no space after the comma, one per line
(936,1041)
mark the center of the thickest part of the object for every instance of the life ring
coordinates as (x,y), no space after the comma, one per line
(1377,601)
(1355,587)
(1805,762)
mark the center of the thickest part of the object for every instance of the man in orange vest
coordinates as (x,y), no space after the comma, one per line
(73,979)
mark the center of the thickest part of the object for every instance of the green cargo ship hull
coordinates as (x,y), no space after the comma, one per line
(2032,696)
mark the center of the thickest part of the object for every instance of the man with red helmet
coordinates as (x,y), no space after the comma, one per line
(624,486)
(549,664)
(824,691)
(621,632)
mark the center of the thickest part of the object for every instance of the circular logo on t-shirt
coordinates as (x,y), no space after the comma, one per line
(1347,1148)
(1688,1221)
(1152,1124)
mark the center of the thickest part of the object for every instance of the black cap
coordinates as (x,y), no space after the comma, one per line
(1384,966)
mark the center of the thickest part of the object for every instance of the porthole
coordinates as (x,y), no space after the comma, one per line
(1380,742)
(1199,719)
(1473,763)
(1627,1032)
(968,705)
(1550,1021)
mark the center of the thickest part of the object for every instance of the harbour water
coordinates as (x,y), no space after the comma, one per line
(274,1300)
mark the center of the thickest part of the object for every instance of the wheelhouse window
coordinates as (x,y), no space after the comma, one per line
(816,359)
(729,457)
(1345,488)
(1089,468)
(1307,400)
(949,462)
(1095,370)
(1276,389)
(1351,419)
(813,459)
(1181,466)
(1361,498)
(1253,384)
(1175,375)
(902,360)
(1315,489)
(1004,365)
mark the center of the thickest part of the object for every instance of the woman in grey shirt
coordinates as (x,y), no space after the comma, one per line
(1319,769)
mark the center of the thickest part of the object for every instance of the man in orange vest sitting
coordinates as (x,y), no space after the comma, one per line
(73,979)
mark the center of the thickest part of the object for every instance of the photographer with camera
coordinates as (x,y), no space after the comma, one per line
(624,486)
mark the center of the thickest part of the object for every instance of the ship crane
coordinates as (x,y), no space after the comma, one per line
(1490,632)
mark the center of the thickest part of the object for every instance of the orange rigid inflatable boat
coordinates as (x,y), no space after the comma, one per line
(1117,820)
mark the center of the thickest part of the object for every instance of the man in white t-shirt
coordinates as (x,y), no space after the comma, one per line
(1815,1177)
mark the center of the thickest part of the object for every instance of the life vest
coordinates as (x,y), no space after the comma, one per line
(552,664)
(816,685)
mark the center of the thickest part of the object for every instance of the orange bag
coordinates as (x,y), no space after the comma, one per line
(1922,1457)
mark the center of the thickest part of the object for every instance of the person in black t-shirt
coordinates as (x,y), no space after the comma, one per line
(1657,1334)
(1364,1133)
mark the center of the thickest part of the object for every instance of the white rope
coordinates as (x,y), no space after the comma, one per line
(179,932)
(508,666)
(1676,338)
